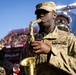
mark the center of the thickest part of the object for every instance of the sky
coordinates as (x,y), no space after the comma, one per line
(17,14)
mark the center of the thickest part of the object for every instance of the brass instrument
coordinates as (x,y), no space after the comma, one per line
(29,63)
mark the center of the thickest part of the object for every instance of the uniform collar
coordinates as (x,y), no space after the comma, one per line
(54,34)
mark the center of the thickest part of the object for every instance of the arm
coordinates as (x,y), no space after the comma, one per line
(65,56)
(72,52)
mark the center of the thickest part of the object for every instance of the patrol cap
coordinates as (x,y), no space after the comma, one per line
(48,6)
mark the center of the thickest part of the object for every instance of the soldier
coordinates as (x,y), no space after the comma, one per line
(6,67)
(55,49)
(63,20)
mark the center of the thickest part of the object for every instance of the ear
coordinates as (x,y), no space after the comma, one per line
(54,15)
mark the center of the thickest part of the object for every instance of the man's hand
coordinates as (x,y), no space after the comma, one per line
(40,47)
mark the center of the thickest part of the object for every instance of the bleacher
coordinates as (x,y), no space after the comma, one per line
(14,41)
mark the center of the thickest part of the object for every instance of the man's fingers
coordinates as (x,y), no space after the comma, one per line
(38,51)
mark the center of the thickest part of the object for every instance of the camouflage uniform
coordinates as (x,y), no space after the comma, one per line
(2,71)
(61,60)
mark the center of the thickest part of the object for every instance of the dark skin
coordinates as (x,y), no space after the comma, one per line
(46,25)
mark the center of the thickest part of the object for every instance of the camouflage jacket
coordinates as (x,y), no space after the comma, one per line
(61,60)
(2,71)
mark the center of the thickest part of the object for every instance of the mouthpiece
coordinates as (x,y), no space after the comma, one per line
(38,20)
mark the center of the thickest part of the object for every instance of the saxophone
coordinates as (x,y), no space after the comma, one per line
(29,63)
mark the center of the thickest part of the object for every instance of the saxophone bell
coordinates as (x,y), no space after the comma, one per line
(29,65)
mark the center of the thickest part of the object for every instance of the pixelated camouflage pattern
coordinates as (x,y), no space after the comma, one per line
(63,54)
(62,58)
(2,71)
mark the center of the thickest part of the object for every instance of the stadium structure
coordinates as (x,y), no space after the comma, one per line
(15,41)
